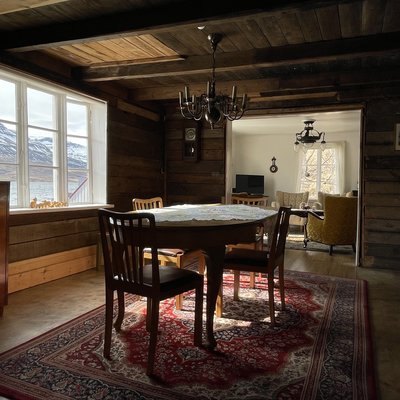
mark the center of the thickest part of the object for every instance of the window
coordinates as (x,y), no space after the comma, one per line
(322,170)
(52,143)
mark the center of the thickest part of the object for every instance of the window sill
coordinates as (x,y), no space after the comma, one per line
(17,211)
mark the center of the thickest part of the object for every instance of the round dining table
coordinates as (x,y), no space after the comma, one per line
(209,227)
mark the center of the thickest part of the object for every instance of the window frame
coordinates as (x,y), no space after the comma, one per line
(96,139)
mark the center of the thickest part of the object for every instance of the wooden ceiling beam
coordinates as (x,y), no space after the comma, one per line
(262,58)
(142,20)
(10,6)
(307,85)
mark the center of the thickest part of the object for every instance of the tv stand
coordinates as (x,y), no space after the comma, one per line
(251,199)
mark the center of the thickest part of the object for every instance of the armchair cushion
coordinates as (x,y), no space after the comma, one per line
(320,204)
(339,225)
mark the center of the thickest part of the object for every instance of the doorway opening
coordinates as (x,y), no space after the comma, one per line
(253,142)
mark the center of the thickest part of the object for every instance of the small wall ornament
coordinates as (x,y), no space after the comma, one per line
(273,168)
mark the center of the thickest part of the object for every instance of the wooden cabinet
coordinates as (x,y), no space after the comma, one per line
(4,211)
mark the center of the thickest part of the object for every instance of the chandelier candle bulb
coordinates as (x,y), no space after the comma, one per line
(187,94)
(233,93)
(180,99)
(244,101)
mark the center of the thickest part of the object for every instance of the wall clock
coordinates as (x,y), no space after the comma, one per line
(190,134)
(273,168)
(191,149)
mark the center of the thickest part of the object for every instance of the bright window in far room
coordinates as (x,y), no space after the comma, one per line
(52,144)
(322,170)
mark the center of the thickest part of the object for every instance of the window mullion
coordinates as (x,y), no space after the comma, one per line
(319,170)
(62,147)
(23,153)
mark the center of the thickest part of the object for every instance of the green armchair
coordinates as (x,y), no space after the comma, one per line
(338,226)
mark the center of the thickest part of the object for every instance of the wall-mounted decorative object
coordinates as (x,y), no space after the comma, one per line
(191,149)
(397,137)
(309,136)
(209,105)
(273,168)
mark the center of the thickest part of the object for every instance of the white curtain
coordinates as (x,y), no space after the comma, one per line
(339,182)
(300,170)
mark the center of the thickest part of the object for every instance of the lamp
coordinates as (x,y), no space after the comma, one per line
(209,105)
(309,136)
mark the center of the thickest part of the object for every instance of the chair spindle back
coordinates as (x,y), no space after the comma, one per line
(124,237)
(278,242)
(147,204)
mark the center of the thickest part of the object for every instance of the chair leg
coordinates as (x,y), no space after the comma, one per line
(148,314)
(179,297)
(179,301)
(99,252)
(202,265)
(198,316)
(108,323)
(155,309)
(219,305)
(121,311)
(282,287)
(236,284)
(252,280)
(271,298)
(330,249)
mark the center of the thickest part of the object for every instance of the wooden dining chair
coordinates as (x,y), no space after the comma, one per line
(259,237)
(265,262)
(166,256)
(147,204)
(124,236)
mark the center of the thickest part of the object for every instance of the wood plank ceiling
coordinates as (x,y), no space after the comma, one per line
(155,48)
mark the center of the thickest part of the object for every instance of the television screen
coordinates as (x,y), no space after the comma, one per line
(250,184)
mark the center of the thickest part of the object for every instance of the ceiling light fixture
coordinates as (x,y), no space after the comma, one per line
(209,105)
(309,136)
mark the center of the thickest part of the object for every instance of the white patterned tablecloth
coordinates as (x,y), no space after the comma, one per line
(210,212)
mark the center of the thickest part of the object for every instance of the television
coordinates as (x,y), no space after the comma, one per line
(250,184)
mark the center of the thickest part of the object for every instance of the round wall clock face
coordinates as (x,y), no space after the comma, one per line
(273,168)
(190,134)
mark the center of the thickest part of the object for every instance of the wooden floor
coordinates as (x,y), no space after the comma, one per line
(36,310)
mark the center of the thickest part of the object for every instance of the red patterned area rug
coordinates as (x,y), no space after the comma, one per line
(320,349)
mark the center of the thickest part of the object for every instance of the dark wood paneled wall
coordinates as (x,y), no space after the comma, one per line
(201,181)
(381,185)
(38,234)
(135,158)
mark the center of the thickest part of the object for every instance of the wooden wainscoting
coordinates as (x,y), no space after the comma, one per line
(35,271)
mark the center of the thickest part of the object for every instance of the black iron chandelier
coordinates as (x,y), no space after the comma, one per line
(209,105)
(309,136)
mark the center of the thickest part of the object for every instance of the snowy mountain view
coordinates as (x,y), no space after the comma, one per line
(41,153)
(40,150)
